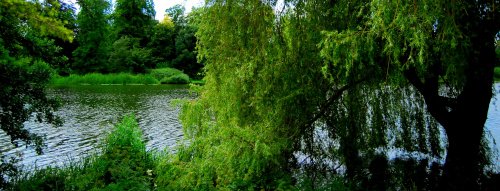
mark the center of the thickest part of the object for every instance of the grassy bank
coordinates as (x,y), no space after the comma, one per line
(155,76)
(96,79)
(123,165)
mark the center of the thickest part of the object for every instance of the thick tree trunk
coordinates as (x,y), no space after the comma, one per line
(462,170)
(349,141)
(463,117)
(466,121)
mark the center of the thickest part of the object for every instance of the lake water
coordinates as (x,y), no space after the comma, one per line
(492,126)
(89,113)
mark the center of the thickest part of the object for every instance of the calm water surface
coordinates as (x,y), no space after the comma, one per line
(90,112)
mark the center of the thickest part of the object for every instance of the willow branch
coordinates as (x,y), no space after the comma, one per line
(336,95)
(437,105)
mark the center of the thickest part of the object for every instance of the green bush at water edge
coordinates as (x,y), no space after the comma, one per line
(161,74)
(123,165)
(170,76)
(176,79)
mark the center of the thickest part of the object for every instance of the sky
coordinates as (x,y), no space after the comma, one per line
(162,5)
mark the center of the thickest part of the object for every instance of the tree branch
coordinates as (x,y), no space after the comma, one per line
(436,105)
(330,101)
(411,76)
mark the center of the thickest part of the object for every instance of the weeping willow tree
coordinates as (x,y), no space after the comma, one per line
(262,86)
(298,90)
(446,51)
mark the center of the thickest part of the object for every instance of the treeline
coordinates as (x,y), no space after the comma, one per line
(127,38)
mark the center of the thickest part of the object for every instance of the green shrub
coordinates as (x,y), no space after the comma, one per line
(161,73)
(45,179)
(170,76)
(176,79)
(128,160)
(123,165)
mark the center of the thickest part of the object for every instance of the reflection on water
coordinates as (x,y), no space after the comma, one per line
(493,125)
(89,113)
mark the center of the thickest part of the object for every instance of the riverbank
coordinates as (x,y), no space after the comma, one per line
(152,77)
(125,164)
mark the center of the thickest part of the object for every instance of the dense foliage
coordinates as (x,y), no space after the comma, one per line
(128,39)
(93,37)
(25,58)
(299,95)
(384,75)
(67,14)
(173,42)
(185,41)
(446,51)
(133,19)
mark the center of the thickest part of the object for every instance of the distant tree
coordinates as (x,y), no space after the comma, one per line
(176,13)
(162,42)
(128,56)
(185,29)
(92,36)
(135,19)
(133,24)
(67,14)
(185,44)
(23,73)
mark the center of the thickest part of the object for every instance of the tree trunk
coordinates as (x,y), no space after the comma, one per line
(463,117)
(461,169)
(466,120)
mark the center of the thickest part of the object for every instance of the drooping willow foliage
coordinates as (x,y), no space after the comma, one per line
(288,104)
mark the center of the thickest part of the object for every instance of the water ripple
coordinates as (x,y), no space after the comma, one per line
(89,113)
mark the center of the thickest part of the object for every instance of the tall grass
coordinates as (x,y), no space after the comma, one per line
(97,79)
(155,76)
(123,165)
